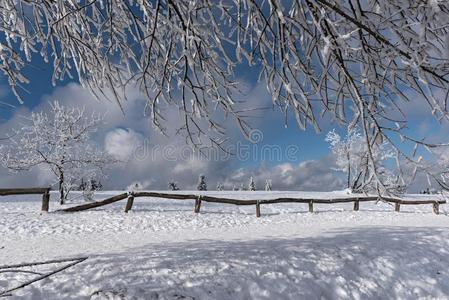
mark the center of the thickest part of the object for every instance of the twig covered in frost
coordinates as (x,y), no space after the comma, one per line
(75,261)
(360,62)
(352,157)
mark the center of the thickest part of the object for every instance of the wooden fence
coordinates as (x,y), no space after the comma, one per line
(204,198)
(30,191)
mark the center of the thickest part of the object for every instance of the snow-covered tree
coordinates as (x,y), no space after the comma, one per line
(202,186)
(220,186)
(352,157)
(60,141)
(172,185)
(89,187)
(268,185)
(251,184)
(136,186)
(364,60)
(437,172)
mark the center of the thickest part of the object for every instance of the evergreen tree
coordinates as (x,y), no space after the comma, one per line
(202,186)
(268,185)
(252,184)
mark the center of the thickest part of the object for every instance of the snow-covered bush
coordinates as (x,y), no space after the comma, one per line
(136,186)
(89,187)
(202,186)
(96,185)
(173,186)
(88,192)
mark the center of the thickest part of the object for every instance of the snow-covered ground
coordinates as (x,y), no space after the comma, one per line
(162,250)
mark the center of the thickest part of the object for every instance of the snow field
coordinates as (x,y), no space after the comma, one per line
(162,250)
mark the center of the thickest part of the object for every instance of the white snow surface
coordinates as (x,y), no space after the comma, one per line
(163,250)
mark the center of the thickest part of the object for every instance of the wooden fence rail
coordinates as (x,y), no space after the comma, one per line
(95,204)
(30,191)
(200,198)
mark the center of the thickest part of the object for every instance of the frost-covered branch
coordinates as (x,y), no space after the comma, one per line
(360,62)
(352,157)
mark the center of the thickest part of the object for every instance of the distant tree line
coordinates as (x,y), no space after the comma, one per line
(202,185)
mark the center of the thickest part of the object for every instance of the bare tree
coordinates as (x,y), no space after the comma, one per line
(59,140)
(359,62)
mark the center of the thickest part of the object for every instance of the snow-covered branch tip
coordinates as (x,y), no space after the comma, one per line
(360,62)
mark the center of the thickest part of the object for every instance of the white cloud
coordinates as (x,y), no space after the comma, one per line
(191,165)
(126,135)
(122,143)
(312,175)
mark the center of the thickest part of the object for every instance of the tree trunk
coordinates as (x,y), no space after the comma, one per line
(61,188)
(349,171)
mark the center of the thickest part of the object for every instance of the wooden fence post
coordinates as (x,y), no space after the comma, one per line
(258,209)
(436,208)
(46,200)
(397,206)
(197,204)
(129,203)
(356,205)
(311,206)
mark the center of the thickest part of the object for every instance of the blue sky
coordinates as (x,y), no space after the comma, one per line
(309,167)
(275,132)
(307,144)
